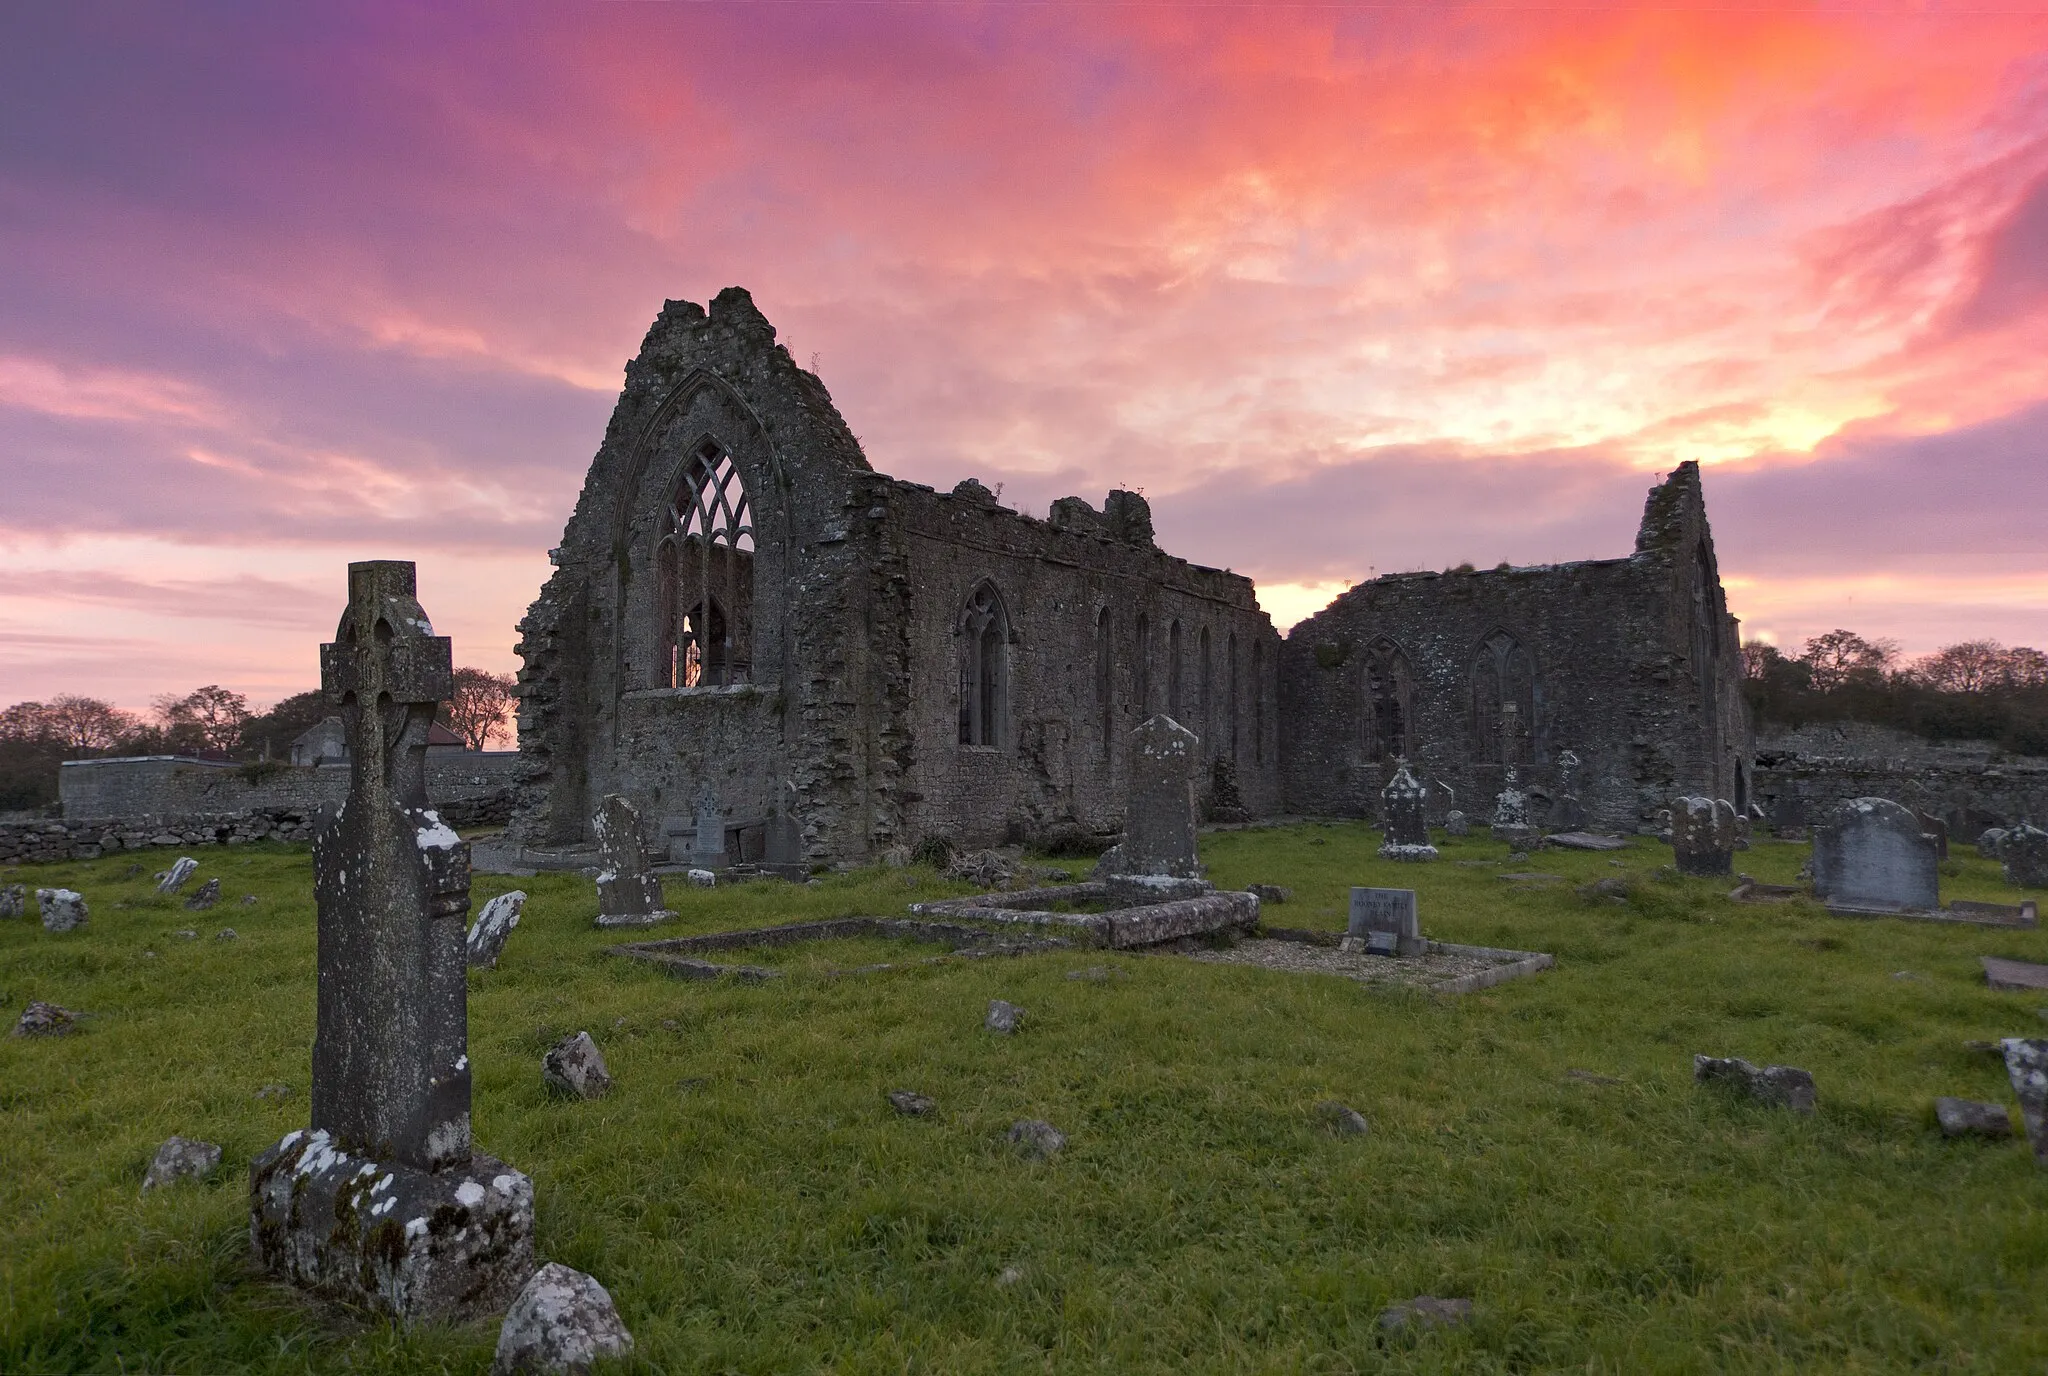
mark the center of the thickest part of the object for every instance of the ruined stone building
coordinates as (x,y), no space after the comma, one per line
(743,607)
(1632,665)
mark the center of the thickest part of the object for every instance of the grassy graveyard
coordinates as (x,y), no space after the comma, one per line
(754,1205)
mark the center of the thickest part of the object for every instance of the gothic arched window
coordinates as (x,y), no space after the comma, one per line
(1389,700)
(1141,666)
(984,633)
(1503,702)
(1105,681)
(1230,687)
(1173,657)
(1207,688)
(1258,702)
(705,567)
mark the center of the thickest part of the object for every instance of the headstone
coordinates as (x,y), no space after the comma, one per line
(493,928)
(1585,840)
(1988,842)
(628,892)
(2014,974)
(207,895)
(382,1202)
(1783,1086)
(1511,812)
(1871,853)
(1407,832)
(2024,850)
(1567,814)
(181,1159)
(1161,813)
(62,910)
(575,1067)
(1968,1118)
(1457,824)
(1938,829)
(2026,1065)
(1037,1138)
(13,900)
(1226,800)
(708,852)
(562,1322)
(1703,835)
(782,843)
(175,877)
(1389,913)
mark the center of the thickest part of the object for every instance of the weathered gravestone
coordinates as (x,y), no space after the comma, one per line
(1569,814)
(628,892)
(1385,921)
(1988,842)
(175,877)
(493,928)
(1938,829)
(1703,835)
(62,910)
(2026,1065)
(383,1202)
(1511,812)
(1407,831)
(1157,859)
(708,850)
(1871,853)
(14,900)
(1457,824)
(2024,850)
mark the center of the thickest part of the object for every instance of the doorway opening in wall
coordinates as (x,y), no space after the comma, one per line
(705,568)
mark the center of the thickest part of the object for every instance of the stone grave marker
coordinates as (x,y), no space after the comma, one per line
(1456,824)
(13,900)
(1703,835)
(383,1202)
(1569,814)
(1161,816)
(1511,812)
(2014,974)
(175,877)
(2024,850)
(628,891)
(1386,921)
(1407,832)
(708,850)
(1871,853)
(1938,829)
(62,910)
(2026,1065)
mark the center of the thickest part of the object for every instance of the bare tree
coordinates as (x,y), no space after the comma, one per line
(1840,655)
(85,725)
(210,718)
(1969,667)
(481,706)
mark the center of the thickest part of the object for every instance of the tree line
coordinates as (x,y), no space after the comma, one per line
(210,722)
(1972,690)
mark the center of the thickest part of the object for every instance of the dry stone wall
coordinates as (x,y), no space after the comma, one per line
(1803,775)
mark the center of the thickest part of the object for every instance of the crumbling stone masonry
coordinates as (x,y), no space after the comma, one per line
(1632,665)
(740,602)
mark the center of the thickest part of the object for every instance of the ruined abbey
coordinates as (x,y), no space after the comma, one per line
(746,617)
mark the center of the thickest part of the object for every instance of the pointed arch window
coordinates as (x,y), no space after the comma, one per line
(1173,658)
(1141,666)
(1258,702)
(1105,680)
(1206,686)
(984,633)
(705,568)
(1230,688)
(1503,702)
(1389,700)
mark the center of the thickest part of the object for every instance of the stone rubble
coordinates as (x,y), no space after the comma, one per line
(910,1103)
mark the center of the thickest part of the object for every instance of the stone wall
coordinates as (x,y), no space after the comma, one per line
(172,785)
(1631,664)
(1970,785)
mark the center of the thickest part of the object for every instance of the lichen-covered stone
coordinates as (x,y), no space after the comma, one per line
(62,910)
(419,1245)
(180,1158)
(2026,1065)
(42,1019)
(1783,1086)
(13,900)
(1036,1138)
(628,890)
(1968,1118)
(1426,1311)
(493,928)
(205,897)
(575,1067)
(559,1325)
(1003,1018)
(1342,1119)
(2024,851)
(1703,835)
(174,878)
(1402,804)
(910,1103)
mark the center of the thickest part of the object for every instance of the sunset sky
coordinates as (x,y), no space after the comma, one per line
(1344,289)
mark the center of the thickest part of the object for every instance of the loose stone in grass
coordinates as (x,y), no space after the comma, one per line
(1270,893)
(44,1020)
(1036,1138)
(1968,1118)
(493,927)
(226,934)
(910,1103)
(1784,1086)
(274,1092)
(205,897)
(1424,1312)
(1008,1277)
(1342,1119)
(248,900)
(180,1158)
(63,910)
(14,901)
(1587,1077)
(575,1067)
(703,879)
(2013,974)
(2026,1065)
(173,879)
(186,934)
(560,1324)
(1003,1018)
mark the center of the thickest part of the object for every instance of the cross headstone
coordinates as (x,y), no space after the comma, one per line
(1569,814)
(1703,835)
(628,891)
(1407,830)
(1511,811)
(1872,853)
(709,851)
(382,1202)
(2024,851)
(1385,920)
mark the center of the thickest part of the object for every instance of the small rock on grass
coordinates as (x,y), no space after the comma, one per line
(225,934)
(1036,1138)
(1341,1119)
(63,910)
(205,896)
(274,1092)
(1426,1311)
(45,1020)
(1588,1077)
(186,934)
(562,1322)
(1968,1118)
(575,1067)
(703,879)
(1784,1086)
(1003,1018)
(1270,893)
(1008,1277)
(248,900)
(910,1103)
(180,1158)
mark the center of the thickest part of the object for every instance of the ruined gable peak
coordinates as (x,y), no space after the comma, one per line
(1675,511)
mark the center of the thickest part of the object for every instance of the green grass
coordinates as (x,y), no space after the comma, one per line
(753,1204)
